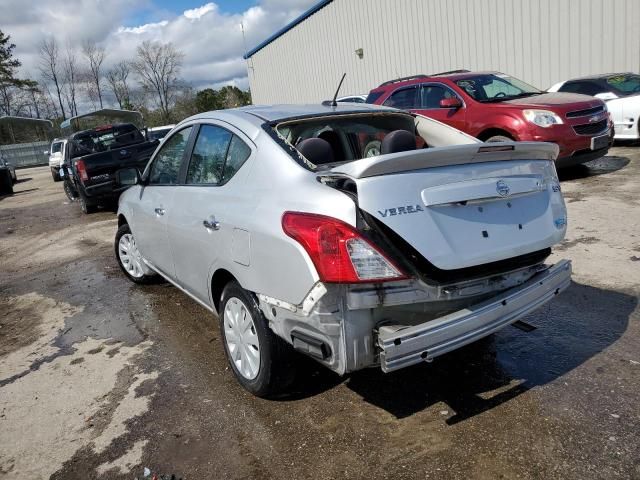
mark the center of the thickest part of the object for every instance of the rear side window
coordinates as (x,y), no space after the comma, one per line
(217,156)
(238,154)
(403,99)
(166,164)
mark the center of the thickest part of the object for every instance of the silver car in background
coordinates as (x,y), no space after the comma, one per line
(274,218)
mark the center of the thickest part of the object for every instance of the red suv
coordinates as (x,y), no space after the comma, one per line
(496,107)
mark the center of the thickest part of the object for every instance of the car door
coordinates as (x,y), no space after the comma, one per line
(202,224)
(155,203)
(429,99)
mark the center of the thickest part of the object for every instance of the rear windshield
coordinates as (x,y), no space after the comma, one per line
(624,84)
(351,137)
(495,88)
(373,96)
(103,139)
(56,147)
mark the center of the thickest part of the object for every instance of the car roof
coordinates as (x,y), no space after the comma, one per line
(416,79)
(600,76)
(259,114)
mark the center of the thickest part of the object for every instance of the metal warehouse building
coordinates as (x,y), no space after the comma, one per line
(539,41)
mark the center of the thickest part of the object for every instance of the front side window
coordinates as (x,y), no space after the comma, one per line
(166,165)
(217,156)
(403,99)
(432,94)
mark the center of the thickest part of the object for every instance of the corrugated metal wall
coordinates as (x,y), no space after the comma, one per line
(539,41)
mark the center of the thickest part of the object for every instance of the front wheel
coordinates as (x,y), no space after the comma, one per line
(129,257)
(498,138)
(55,175)
(69,191)
(260,360)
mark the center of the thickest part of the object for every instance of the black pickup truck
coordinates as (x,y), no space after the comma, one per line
(93,157)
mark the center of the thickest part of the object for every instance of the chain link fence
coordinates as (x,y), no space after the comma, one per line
(26,154)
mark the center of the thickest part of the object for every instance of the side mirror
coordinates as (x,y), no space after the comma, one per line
(46,152)
(452,102)
(126,177)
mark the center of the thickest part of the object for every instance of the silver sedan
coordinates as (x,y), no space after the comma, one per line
(357,235)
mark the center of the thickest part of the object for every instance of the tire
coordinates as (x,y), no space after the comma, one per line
(69,191)
(130,260)
(87,206)
(498,138)
(55,175)
(372,149)
(6,182)
(274,371)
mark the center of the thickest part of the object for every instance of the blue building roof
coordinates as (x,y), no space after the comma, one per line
(288,27)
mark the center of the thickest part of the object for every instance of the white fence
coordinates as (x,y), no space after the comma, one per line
(26,154)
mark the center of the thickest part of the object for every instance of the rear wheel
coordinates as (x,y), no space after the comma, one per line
(260,360)
(6,182)
(87,206)
(129,257)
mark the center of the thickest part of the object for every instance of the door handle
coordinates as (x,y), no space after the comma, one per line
(211,224)
(159,211)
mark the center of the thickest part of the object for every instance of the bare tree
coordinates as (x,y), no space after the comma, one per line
(50,68)
(70,76)
(95,56)
(158,66)
(117,80)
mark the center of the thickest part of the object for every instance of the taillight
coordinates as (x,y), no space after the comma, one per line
(339,253)
(82,170)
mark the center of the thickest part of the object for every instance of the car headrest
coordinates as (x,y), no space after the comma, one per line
(316,150)
(398,141)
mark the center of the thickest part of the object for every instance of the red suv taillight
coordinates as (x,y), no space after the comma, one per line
(339,253)
(82,170)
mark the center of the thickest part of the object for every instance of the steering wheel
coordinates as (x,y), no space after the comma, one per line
(500,95)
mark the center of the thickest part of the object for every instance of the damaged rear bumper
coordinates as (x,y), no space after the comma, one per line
(403,346)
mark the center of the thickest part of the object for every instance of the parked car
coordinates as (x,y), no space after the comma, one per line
(7,176)
(621,92)
(271,217)
(352,99)
(56,157)
(496,107)
(158,133)
(93,156)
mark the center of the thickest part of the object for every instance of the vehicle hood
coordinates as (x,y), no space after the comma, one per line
(564,102)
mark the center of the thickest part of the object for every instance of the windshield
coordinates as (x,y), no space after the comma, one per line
(496,88)
(624,84)
(56,147)
(351,137)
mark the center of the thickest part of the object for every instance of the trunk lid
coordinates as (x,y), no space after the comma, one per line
(465,205)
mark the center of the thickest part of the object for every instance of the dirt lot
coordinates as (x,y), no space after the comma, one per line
(100,378)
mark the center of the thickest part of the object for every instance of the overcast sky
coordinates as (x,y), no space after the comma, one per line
(208,34)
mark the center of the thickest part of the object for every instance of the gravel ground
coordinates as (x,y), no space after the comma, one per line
(100,378)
